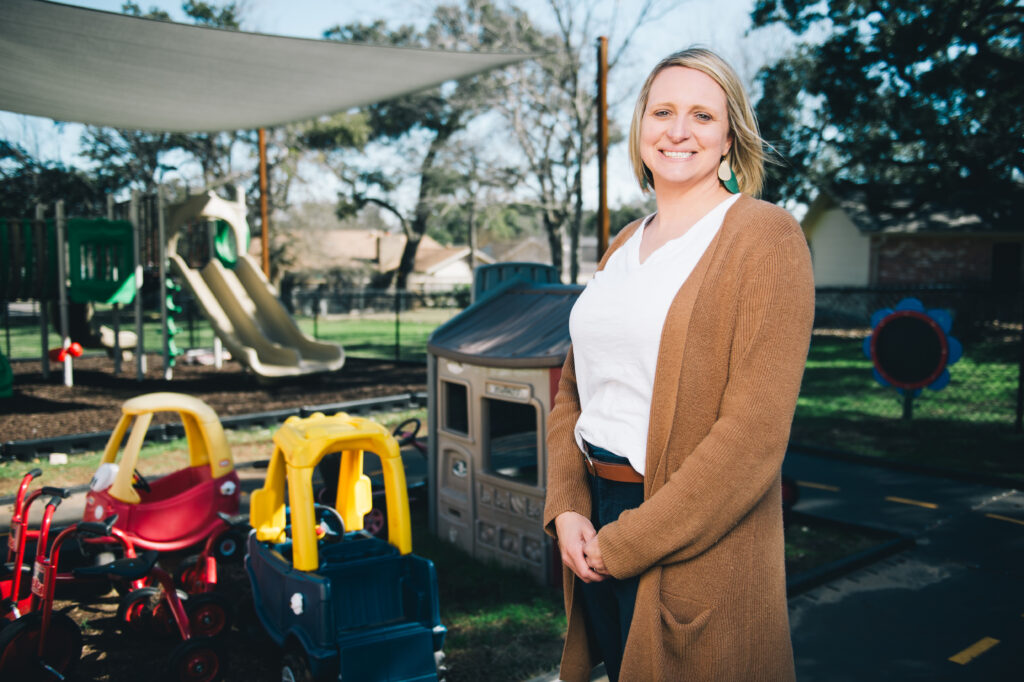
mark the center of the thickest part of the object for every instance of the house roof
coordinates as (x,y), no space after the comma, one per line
(879,211)
(521,325)
(329,249)
(77,64)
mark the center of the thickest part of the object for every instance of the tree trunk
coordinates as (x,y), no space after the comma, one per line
(418,226)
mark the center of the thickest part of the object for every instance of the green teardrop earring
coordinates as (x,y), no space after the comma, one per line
(728,177)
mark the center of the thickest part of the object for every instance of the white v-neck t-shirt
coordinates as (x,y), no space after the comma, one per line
(616,327)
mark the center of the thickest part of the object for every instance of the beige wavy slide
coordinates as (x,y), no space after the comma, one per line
(248,317)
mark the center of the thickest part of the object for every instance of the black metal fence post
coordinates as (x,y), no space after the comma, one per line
(1019,425)
(398,325)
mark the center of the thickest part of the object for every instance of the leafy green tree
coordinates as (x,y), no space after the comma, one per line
(418,127)
(899,97)
(26,181)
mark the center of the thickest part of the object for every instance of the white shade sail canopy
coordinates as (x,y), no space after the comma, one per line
(75,64)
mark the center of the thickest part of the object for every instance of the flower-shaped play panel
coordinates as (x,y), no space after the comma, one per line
(911,348)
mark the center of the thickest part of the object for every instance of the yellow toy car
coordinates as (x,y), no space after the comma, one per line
(342,603)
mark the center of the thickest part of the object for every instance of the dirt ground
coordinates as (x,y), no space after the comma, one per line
(42,408)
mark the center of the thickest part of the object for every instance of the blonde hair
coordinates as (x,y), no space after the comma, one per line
(746,155)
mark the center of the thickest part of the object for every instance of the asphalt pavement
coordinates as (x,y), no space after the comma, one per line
(951,607)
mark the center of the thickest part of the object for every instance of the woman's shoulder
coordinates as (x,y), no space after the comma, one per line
(760,223)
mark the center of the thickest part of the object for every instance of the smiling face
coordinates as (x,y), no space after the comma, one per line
(685,130)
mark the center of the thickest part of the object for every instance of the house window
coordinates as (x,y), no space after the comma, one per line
(456,407)
(511,440)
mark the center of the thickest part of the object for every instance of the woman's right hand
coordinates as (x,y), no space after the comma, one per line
(574,531)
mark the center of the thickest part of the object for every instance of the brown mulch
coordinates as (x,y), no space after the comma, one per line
(42,408)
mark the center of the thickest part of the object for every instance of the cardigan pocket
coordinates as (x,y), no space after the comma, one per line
(683,621)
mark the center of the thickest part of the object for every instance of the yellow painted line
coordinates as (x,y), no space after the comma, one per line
(916,503)
(819,486)
(1005,518)
(974,650)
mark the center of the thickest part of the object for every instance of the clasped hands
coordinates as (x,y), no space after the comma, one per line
(577,542)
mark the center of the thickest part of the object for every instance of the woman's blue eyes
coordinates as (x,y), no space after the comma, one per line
(662,113)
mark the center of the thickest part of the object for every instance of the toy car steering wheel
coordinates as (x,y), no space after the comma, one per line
(330,520)
(139,481)
(408,437)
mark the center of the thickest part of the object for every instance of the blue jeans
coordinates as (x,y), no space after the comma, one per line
(608,605)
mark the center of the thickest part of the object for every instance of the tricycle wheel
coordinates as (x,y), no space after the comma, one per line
(19,646)
(198,659)
(209,614)
(187,576)
(135,611)
(163,622)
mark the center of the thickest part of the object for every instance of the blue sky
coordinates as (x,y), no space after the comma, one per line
(720,25)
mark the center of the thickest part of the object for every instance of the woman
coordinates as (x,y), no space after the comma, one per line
(672,416)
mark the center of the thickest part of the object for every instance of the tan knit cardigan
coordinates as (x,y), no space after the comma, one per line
(707,541)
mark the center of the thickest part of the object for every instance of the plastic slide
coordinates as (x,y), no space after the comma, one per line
(242,306)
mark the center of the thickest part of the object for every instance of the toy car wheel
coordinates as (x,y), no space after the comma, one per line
(209,614)
(197,659)
(19,646)
(295,667)
(230,546)
(135,611)
(442,669)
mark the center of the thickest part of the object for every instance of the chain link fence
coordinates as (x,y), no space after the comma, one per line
(974,422)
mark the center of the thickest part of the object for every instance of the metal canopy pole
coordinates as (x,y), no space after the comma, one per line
(62,291)
(140,350)
(264,228)
(44,316)
(162,254)
(602,146)
(115,311)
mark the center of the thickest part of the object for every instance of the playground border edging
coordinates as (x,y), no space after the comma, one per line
(25,450)
(815,577)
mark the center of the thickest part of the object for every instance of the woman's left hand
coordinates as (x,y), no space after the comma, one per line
(592,552)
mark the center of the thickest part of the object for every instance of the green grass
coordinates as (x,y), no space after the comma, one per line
(967,426)
(367,336)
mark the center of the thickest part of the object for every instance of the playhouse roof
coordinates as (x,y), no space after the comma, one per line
(76,64)
(519,326)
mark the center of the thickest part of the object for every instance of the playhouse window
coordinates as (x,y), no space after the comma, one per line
(456,407)
(511,449)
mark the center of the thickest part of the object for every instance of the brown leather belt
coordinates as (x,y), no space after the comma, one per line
(623,473)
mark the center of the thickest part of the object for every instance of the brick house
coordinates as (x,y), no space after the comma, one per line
(857,242)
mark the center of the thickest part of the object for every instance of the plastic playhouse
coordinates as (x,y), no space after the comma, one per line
(341,603)
(494,371)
